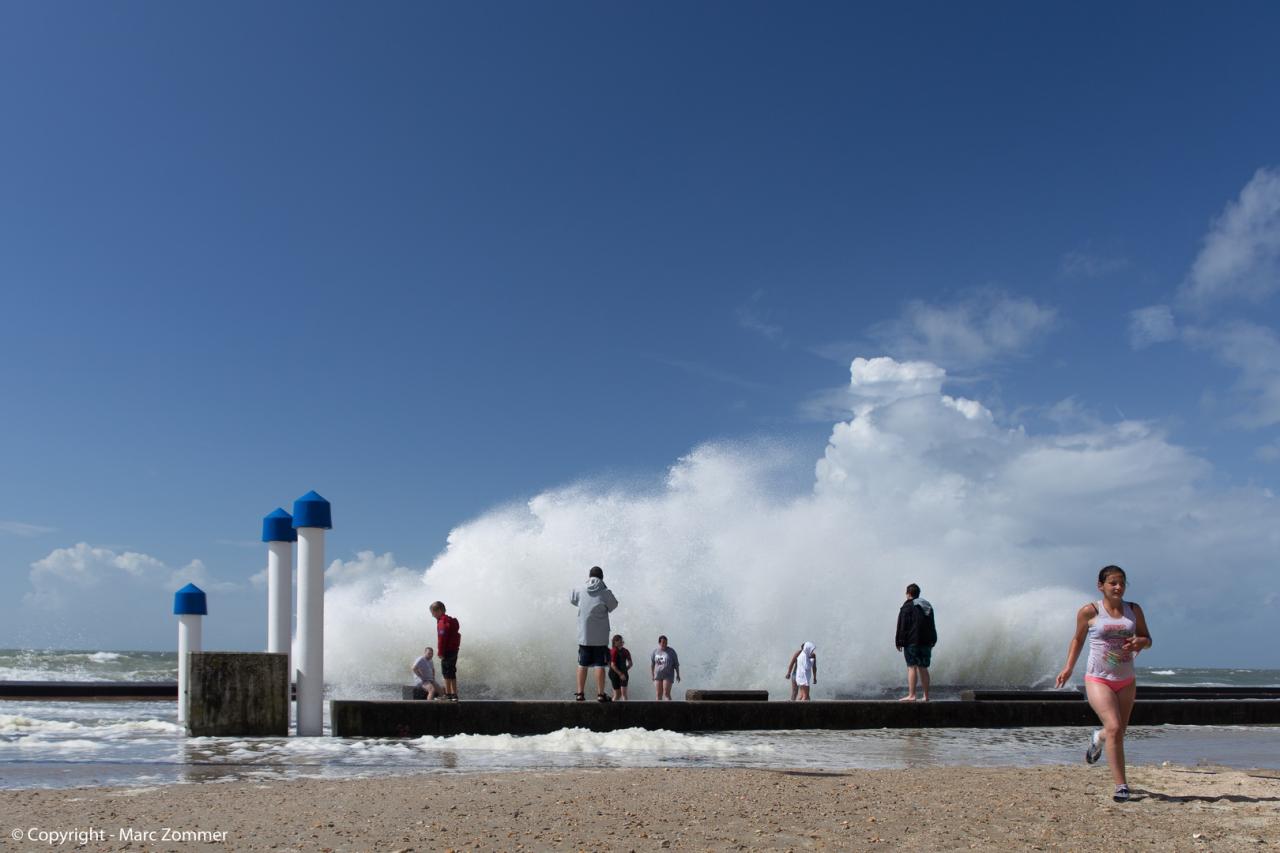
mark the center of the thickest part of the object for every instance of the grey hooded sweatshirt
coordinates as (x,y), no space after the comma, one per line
(595,602)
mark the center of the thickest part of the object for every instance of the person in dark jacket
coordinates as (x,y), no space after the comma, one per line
(917,635)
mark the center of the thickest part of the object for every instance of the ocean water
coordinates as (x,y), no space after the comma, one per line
(86,665)
(139,744)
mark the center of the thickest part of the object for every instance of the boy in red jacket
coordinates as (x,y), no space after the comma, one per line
(447,642)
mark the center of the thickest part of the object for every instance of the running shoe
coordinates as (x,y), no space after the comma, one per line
(1122,794)
(1094,752)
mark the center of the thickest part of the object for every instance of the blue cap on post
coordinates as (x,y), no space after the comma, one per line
(278,527)
(311,510)
(189,601)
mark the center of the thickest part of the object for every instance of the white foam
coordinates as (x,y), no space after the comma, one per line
(26,725)
(578,740)
(104,657)
(1164,672)
(58,745)
(18,724)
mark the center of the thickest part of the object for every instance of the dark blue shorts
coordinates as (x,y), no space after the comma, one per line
(593,655)
(449,666)
(918,655)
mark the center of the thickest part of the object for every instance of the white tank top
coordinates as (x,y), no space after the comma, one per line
(1108,659)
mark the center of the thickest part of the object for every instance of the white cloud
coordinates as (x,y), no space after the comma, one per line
(368,568)
(197,573)
(1255,351)
(1241,254)
(1151,325)
(983,327)
(21,528)
(1268,452)
(66,574)
(1004,530)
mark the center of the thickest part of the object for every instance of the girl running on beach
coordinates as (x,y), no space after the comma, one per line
(1116,630)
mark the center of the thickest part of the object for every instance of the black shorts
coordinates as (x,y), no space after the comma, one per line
(449,666)
(918,655)
(617,681)
(593,655)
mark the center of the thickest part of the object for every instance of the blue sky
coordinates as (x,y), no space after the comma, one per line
(434,260)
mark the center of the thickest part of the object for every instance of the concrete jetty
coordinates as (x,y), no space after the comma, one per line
(107,691)
(116,691)
(371,718)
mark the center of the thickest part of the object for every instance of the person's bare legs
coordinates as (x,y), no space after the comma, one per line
(657,685)
(664,690)
(599,681)
(924,683)
(582,679)
(430,690)
(803,693)
(911,685)
(1113,710)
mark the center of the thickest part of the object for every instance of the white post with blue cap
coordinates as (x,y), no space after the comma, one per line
(311,518)
(190,606)
(278,533)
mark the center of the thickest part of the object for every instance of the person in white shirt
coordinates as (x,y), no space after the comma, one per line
(424,669)
(664,665)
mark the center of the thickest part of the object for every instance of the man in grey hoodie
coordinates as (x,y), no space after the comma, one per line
(594,602)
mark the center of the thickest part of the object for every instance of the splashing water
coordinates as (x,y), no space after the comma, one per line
(1000,529)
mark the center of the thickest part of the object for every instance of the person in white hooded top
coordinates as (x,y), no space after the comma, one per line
(594,602)
(802,671)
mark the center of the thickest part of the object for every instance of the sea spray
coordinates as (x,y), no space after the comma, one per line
(917,487)
(1004,530)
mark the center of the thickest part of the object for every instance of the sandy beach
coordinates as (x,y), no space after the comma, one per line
(1043,808)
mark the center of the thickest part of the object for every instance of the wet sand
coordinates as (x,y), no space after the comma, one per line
(1040,808)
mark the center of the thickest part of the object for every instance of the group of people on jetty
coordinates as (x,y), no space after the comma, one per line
(1115,630)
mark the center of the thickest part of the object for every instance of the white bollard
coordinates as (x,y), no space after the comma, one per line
(311,518)
(278,533)
(190,606)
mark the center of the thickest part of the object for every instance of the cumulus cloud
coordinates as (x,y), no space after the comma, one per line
(983,327)
(65,574)
(1240,258)
(1151,325)
(1003,528)
(368,568)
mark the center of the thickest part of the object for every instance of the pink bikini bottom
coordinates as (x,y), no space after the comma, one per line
(1117,686)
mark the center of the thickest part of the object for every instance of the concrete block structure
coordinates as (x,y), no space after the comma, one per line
(238,694)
